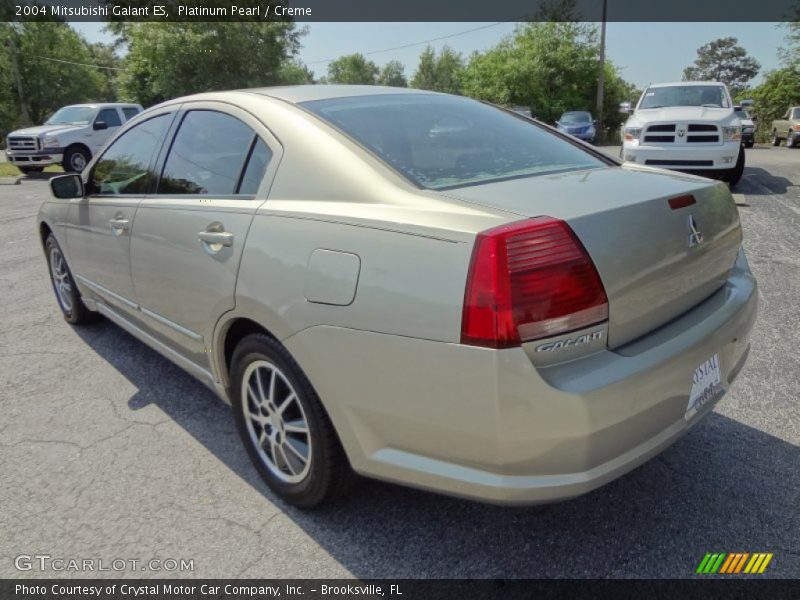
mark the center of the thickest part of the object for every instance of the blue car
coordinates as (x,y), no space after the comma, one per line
(579,124)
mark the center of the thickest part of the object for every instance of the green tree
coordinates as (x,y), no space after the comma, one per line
(551,67)
(723,60)
(293,72)
(442,73)
(353,69)
(393,74)
(166,60)
(108,68)
(779,90)
(52,61)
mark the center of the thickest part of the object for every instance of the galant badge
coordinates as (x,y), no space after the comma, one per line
(695,235)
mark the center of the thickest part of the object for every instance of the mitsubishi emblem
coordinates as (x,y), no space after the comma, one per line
(695,235)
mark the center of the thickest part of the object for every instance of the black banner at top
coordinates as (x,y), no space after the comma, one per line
(402,10)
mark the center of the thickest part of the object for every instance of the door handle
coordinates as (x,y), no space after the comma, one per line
(215,240)
(119,225)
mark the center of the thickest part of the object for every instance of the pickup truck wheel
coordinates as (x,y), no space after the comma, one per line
(732,176)
(75,160)
(27,170)
(776,141)
(284,428)
(790,140)
(67,294)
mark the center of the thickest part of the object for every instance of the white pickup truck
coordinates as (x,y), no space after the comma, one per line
(686,126)
(69,138)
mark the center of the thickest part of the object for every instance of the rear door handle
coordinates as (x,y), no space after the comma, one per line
(119,225)
(216,238)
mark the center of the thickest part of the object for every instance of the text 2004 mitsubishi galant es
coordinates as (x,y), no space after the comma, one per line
(413,286)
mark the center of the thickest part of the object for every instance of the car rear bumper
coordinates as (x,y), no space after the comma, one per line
(42,158)
(683,157)
(489,425)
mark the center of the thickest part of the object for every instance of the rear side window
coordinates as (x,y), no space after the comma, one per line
(124,166)
(208,156)
(256,166)
(109,116)
(442,142)
(130,112)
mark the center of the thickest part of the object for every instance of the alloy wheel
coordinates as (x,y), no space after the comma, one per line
(61,281)
(276,421)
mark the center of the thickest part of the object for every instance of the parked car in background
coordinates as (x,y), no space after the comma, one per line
(459,299)
(579,124)
(748,126)
(687,126)
(787,128)
(68,138)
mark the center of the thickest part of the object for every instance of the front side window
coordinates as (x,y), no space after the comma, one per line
(796,113)
(124,166)
(207,155)
(711,96)
(443,142)
(109,116)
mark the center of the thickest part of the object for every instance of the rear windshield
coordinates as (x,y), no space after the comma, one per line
(443,142)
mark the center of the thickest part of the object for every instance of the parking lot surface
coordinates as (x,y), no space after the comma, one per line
(110,452)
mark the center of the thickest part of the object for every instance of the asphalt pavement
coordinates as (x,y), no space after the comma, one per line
(110,452)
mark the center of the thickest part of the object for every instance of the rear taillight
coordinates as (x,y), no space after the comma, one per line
(528,280)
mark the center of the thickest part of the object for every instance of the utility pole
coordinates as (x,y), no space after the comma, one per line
(601,75)
(23,110)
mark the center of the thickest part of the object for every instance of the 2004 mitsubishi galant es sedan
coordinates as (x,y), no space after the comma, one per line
(412,286)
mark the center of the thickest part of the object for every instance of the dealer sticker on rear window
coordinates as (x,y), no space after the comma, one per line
(706,385)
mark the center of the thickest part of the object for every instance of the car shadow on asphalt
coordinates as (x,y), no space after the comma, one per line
(760,182)
(725,487)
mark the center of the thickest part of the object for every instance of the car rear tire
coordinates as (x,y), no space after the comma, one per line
(27,170)
(732,176)
(67,294)
(75,160)
(776,141)
(284,427)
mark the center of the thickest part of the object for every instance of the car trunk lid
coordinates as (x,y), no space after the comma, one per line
(656,261)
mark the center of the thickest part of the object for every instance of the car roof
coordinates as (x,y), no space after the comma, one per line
(684,84)
(304,93)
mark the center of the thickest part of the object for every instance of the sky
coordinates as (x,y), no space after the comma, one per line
(644,52)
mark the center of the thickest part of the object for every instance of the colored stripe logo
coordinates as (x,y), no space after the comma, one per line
(732,563)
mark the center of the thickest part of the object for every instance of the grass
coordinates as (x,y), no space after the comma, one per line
(9,170)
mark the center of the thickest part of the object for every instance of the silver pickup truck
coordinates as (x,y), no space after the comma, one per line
(68,138)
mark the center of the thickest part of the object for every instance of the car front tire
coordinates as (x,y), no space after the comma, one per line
(776,141)
(67,294)
(284,427)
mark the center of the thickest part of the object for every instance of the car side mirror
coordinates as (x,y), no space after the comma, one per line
(100,125)
(67,187)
